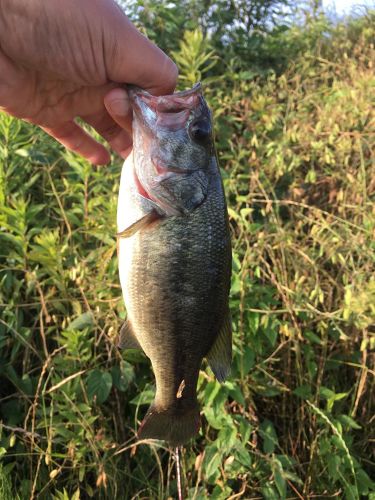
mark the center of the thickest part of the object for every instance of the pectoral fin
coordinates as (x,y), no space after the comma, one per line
(127,338)
(220,355)
(139,224)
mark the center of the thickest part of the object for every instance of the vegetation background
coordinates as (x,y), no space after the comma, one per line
(292,96)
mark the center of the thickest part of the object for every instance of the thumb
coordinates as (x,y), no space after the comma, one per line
(138,61)
(118,106)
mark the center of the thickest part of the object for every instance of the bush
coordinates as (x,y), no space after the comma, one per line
(294,419)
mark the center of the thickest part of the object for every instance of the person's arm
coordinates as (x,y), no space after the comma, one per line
(63,59)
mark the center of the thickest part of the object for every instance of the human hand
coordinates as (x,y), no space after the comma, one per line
(60,60)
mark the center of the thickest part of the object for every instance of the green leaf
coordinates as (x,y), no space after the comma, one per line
(351,492)
(99,385)
(364,482)
(347,421)
(82,321)
(333,463)
(271,334)
(122,375)
(76,495)
(312,337)
(303,391)
(269,492)
(211,391)
(211,463)
(227,437)
(326,393)
(242,455)
(217,418)
(146,397)
(280,482)
(235,392)
(269,436)
(247,360)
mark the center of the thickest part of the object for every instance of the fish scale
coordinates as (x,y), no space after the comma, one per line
(175,271)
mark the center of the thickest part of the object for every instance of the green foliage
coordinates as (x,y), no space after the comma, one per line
(195,59)
(295,419)
(237,29)
(6,485)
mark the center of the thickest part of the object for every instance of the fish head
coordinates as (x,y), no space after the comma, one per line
(172,148)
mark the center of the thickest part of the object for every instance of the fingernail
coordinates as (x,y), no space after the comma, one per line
(119,107)
(102,158)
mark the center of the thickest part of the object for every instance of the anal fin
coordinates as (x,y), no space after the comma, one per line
(219,356)
(127,339)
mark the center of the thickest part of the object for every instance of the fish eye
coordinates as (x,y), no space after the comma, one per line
(200,131)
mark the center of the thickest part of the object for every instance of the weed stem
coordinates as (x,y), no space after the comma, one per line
(178,473)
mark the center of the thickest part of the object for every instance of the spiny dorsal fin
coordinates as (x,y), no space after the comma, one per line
(220,355)
(127,339)
(139,224)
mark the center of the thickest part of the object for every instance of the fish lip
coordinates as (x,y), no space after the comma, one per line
(134,90)
(185,100)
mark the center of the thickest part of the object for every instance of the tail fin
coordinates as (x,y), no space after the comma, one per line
(172,425)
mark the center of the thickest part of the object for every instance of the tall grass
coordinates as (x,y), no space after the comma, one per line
(296,418)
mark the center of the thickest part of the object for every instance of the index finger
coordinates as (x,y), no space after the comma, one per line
(138,61)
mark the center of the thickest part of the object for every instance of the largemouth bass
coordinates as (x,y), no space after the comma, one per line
(174,256)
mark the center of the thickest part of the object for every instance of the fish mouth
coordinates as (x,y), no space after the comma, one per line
(170,111)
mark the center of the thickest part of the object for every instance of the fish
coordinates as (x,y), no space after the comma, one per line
(174,254)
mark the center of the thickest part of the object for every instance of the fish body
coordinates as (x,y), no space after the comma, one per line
(174,256)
